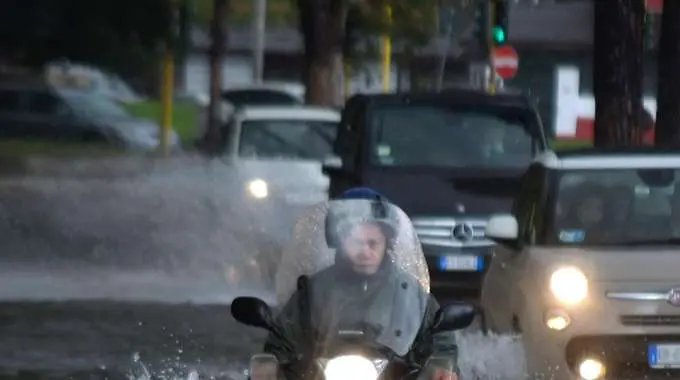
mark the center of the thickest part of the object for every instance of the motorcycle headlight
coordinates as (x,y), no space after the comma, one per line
(258,188)
(351,367)
(569,285)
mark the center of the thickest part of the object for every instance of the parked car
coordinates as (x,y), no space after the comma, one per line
(65,75)
(264,94)
(586,270)
(450,159)
(38,111)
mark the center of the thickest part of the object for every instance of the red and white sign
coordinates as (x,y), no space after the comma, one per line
(505,61)
(654,6)
(575,112)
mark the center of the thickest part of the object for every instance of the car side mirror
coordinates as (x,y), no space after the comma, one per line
(252,311)
(452,317)
(504,230)
(331,163)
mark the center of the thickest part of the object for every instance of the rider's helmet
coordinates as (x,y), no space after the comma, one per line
(341,218)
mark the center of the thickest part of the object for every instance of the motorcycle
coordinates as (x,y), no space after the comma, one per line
(345,328)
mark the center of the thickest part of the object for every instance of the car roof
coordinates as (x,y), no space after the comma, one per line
(295,90)
(460,95)
(620,158)
(289,112)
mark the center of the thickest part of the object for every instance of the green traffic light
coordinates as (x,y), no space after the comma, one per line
(498,34)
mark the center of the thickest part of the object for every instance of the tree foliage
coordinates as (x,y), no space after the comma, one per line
(122,35)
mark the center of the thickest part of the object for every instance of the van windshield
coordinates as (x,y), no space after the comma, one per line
(450,137)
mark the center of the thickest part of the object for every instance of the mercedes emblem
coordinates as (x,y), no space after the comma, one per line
(674,297)
(462,232)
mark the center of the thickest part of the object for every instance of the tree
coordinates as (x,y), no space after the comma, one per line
(322,23)
(618,72)
(218,34)
(667,130)
(121,35)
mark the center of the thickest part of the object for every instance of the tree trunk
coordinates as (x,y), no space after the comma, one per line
(322,23)
(218,46)
(667,130)
(617,72)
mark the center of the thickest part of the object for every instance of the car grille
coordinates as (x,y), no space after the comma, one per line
(450,232)
(625,356)
(650,320)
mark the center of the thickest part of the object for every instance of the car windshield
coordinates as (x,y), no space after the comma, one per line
(287,138)
(361,269)
(617,206)
(449,137)
(99,107)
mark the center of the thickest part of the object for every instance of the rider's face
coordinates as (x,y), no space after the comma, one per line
(365,247)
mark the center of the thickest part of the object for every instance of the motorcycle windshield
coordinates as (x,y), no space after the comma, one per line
(353,265)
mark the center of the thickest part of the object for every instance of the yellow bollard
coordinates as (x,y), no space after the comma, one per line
(386,51)
(167,84)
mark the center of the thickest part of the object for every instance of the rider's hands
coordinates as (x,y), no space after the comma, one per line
(443,374)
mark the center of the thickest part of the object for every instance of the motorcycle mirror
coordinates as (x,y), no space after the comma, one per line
(252,311)
(455,316)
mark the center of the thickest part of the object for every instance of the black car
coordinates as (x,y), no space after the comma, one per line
(450,159)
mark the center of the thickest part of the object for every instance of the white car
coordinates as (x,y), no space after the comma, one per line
(279,150)
(277,154)
(587,267)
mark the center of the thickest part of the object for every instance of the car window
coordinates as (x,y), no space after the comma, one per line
(43,103)
(10,101)
(287,138)
(94,106)
(617,206)
(449,137)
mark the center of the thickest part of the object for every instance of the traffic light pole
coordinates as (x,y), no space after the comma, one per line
(491,80)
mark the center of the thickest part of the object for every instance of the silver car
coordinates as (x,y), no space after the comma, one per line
(586,270)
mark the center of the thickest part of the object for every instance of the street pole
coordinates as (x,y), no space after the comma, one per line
(441,71)
(346,79)
(167,83)
(386,44)
(259,34)
(491,84)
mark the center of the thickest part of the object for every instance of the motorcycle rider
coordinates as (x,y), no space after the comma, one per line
(361,249)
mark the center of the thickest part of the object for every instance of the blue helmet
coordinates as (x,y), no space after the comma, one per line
(361,193)
(340,217)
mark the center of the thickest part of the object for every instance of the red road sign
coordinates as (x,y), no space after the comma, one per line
(654,6)
(505,61)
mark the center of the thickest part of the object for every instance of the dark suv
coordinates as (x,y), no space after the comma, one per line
(450,159)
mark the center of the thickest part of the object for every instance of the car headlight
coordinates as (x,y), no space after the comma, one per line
(569,285)
(258,188)
(354,367)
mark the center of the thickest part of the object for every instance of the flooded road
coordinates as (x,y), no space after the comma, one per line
(97,268)
(99,339)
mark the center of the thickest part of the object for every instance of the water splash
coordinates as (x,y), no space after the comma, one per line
(491,357)
(190,224)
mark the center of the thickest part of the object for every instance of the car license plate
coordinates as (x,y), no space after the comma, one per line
(664,355)
(467,263)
